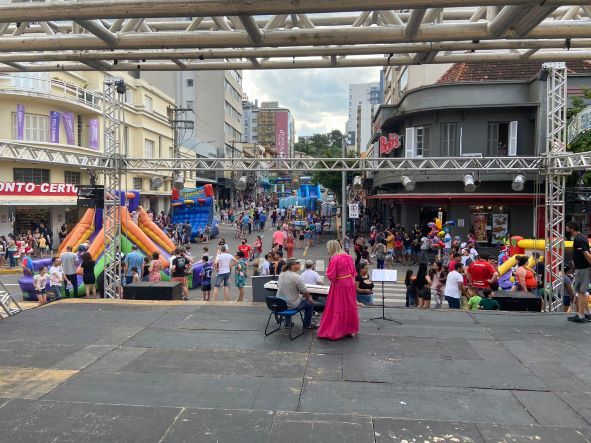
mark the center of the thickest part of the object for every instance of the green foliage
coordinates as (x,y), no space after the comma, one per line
(324,146)
(583,142)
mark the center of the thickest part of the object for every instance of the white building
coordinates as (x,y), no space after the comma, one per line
(364,100)
(250,121)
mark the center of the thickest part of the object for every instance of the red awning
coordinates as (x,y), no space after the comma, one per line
(457,198)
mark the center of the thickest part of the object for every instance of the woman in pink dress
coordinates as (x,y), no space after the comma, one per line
(155,267)
(340,317)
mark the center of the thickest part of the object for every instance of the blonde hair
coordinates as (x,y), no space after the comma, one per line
(334,247)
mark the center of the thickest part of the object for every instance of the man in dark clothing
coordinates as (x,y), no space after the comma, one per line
(582,261)
(188,231)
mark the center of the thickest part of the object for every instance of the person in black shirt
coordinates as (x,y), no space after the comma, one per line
(180,265)
(582,261)
(364,285)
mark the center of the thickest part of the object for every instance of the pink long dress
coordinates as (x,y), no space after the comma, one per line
(340,317)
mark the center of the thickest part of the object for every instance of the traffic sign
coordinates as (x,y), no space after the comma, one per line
(353,210)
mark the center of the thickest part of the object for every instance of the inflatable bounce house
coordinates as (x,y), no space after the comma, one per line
(195,205)
(146,235)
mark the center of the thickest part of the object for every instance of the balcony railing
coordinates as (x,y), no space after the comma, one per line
(41,86)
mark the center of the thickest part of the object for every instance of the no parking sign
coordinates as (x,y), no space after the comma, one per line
(353,210)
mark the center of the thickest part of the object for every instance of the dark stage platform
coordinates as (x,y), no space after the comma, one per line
(165,372)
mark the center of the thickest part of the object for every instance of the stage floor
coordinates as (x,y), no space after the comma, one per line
(106,371)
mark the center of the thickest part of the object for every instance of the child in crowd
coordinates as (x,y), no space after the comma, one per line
(474,302)
(206,272)
(488,303)
(470,292)
(135,276)
(255,269)
(411,294)
(40,282)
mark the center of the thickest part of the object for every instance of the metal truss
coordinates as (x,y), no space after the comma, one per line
(129,35)
(556,99)
(20,152)
(112,203)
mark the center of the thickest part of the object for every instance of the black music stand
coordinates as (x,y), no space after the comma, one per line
(383,276)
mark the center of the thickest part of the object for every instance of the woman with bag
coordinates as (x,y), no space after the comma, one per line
(86,269)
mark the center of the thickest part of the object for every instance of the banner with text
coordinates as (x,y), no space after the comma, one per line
(54,127)
(93,133)
(43,189)
(20,122)
(281,134)
(69,127)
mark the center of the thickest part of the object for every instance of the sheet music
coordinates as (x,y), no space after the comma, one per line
(384,275)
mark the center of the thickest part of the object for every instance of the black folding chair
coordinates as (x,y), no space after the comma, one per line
(282,313)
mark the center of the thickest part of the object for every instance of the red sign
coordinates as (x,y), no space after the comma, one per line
(44,189)
(281,134)
(387,145)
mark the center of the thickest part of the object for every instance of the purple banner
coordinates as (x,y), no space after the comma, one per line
(20,122)
(93,133)
(69,127)
(54,127)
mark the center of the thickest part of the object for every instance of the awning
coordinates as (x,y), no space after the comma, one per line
(457,198)
(37,201)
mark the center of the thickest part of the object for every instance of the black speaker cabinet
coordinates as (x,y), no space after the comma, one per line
(160,290)
(166,290)
(136,291)
(519,301)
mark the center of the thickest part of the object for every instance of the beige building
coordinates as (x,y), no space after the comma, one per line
(62,111)
(400,79)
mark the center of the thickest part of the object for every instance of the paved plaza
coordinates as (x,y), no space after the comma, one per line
(170,371)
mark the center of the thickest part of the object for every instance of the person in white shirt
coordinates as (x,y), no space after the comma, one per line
(223,264)
(56,277)
(454,286)
(310,276)
(266,265)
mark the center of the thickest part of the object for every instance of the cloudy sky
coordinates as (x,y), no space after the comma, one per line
(318,98)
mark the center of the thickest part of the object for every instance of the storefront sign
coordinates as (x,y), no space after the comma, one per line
(479,226)
(44,189)
(281,134)
(54,127)
(387,145)
(69,127)
(93,133)
(20,122)
(500,227)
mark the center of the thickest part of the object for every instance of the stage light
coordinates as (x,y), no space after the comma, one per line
(241,183)
(120,87)
(408,183)
(357,183)
(178,181)
(543,74)
(518,183)
(469,185)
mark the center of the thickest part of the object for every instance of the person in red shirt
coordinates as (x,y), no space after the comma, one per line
(455,258)
(481,273)
(279,238)
(245,248)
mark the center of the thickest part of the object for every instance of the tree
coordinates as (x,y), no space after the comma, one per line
(583,142)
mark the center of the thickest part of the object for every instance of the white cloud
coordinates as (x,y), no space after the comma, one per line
(318,98)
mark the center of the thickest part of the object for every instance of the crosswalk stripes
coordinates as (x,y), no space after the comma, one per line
(394,294)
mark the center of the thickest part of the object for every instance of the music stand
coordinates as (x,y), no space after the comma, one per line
(383,276)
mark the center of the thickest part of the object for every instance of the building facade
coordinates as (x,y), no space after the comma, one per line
(250,121)
(276,128)
(63,112)
(364,100)
(472,110)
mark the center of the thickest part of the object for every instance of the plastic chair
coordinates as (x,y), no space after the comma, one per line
(280,310)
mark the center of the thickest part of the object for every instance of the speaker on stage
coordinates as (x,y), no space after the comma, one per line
(137,291)
(165,290)
(519,301)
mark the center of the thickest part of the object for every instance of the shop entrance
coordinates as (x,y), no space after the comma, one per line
(30,217)
(429,213)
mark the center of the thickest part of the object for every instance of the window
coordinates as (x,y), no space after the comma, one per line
(403,80)
(31,175)
(71,178)
(148,148)
(126,141)
(128,96)
(138,183)
(231,111)
(417,142)
(148,103)
(189,83)
(232,92)
(36,82)
(448,139)
(502,139)
(232,133)
(190,104)
(36,127)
